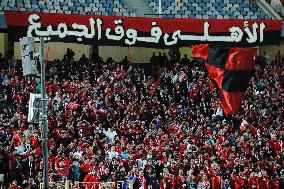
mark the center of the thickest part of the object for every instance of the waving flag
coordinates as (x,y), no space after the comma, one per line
(231,69)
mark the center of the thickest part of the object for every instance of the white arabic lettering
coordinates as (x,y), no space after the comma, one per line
(119,31)
(33,25)
(175,38)
(156,34)
(261,29)
(62,30)
(252,36)
(131,35)
(99,26)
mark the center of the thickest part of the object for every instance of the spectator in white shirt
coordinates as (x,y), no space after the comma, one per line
(112,153)
(110,134)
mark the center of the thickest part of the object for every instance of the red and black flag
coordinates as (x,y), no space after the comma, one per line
(231,69)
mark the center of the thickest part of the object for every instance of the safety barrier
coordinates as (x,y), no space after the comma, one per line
(68,184)
(55,185)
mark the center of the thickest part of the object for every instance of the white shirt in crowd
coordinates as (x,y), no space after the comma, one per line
(203,185)
(23,149)
(244,124)
(219,112)
(141,163)
(28,133)
(112,154)
(78,154)
(110,135)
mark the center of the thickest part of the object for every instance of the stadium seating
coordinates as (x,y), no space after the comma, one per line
(97,7)
(228,9)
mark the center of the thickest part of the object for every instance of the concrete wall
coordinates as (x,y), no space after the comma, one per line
(56,50)
(136,54)
(3,43)
(143,55)
(185,50)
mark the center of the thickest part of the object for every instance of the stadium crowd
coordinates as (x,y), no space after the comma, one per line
(110,121)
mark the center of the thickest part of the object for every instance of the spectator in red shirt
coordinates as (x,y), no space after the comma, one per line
(215,181)
(91,180)
(263,181)
(14,185)
(274,183)
(253,182)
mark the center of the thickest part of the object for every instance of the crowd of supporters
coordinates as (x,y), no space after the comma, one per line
(110,121)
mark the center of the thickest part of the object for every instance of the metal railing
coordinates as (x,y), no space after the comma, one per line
(54,185)
(93,185)
(68,184)
(268,9)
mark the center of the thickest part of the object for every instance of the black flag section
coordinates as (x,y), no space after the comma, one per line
(231,69)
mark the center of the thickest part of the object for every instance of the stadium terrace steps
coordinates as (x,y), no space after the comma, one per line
(231,9)
(140,7)
(91,7)
(207,9)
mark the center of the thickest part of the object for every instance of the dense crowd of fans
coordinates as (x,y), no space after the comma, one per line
(111,121)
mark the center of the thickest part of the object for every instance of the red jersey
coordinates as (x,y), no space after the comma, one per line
(215,182)
(86,168)
(62,171)
(162,184)
(170,183)
(274,184)
(253,183)
(263,183)
(237,183)
(91,182)
(102,169)
(142,181)
(14,187)
(180,180)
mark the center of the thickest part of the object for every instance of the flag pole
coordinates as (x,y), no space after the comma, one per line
(160,8)
(44,116)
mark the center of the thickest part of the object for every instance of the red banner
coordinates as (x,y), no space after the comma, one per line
(129,31)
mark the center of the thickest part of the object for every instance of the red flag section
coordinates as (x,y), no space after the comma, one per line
(231,69)
(241,59)
(215,74)
(200,51)
(231,101)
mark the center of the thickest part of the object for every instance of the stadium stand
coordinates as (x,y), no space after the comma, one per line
(104,7)
(113,121)
(228,9)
